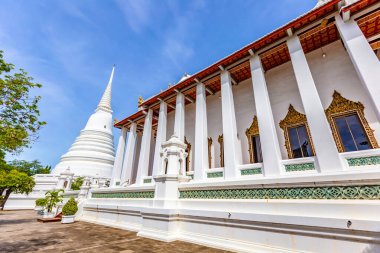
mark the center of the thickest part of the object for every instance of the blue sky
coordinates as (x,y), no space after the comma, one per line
(70,46)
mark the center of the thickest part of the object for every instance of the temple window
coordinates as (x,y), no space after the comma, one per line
(209,141)
(188,151)
(254,144)
(298,141)
(350,128)
(221,144)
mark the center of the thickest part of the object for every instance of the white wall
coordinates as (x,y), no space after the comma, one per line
(214,125)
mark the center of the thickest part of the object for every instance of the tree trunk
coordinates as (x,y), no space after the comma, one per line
(7,193)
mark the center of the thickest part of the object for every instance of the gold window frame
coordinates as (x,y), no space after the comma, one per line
(188,150)
(209,141)
(221,144)
(341,106)
(294,119)
(250,132)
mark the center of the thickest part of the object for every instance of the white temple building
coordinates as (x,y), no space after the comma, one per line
(274,148)
(90,156)
(92,153)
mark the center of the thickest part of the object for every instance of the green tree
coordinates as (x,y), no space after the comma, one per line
(53,198)
(77,183)
(30,168)
(14,182)
(19,113)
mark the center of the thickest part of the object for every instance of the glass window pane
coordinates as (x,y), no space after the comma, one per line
(294,143)
(257,149)
(305,142)
(358,132)
(345,135)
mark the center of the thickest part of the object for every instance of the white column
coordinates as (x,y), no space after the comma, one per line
(160,138)
(270,146)
(179,123)
(126,174)
(201,145)
(118,164)
(364,59)
(324,144)
(232,157)
(143,167)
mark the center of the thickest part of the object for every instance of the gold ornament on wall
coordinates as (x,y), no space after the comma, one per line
(293,119)
(253,130)
(209,141)
(188,150)
(341,106)
(221,144)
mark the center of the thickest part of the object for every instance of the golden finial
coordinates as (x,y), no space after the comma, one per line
(140,101)
(170,85)
(115,121)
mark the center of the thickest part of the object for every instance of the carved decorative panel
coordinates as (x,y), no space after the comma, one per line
(221,144)
(250,132)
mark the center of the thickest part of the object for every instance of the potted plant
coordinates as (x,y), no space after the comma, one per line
(40,204)
(52,199)
(68,211)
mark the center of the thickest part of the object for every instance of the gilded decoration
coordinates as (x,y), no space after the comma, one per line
(253,130)
(140,101)
(293,119)
(188,150)
(221,144)
(368,192)
(209,142)
(341,106)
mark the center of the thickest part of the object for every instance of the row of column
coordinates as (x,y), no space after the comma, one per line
(366,64)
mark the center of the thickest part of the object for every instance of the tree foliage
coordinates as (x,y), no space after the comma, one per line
(19,113)
(77,183)
(53,198)
(14,182)
(30,168)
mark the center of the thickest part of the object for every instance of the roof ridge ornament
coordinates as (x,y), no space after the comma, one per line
(321,2)
(105,101)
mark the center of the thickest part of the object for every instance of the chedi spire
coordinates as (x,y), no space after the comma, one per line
(105,101)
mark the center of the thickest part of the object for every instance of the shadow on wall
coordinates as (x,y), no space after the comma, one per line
(372,248)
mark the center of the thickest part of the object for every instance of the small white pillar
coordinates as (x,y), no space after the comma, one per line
(160,138)
(126,174)
(118,165)
(232,156)
(324,144)
(270,146)
(364,59)
(179,122)
(143,166)
(201,144)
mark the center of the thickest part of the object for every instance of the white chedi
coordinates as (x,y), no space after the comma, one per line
(93,153)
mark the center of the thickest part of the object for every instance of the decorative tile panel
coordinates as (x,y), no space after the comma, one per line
(215,174)
(323,192)
(363,161)
(147,180)
(299,167)
(254,171)
(124,195)
(70,196)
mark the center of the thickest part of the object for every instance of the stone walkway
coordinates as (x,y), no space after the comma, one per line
(20,232)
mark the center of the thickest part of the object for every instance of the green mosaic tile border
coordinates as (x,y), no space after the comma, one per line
(324,192)
(299,167)
(147,180)
(124,195)
(70,196)
(247,172)
(363,161)
(215,174)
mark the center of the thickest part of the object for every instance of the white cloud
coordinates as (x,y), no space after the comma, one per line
(137,13)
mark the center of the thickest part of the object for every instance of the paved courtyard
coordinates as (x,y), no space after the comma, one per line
(20,232)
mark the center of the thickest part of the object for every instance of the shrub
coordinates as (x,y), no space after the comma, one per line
(70,208)
(77,183)
(41,202)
